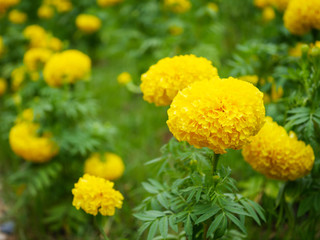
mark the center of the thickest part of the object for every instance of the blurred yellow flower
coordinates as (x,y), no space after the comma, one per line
(16,99)
(276,93)
(1,46)
(175,30)
(213,6)
(45,12)
(161,83)
(66,67)
(36,35)
(5,4)
(17,17)
(25,142)
(268,14)
(3,86)
(177,6)
(17,77)
(35,58)
(261,3)
(250,78)
(93,194)
(88,23)
(26,116)
(108,166)
(296,50)
(279,4)
(301,16)
(108,3)
(277,154)
(218,114)
(55,44)
(124,78)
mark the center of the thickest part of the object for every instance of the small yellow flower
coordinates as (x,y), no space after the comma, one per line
(26,116)
(36,35)
(250,78)
(25,143)
(3,86)
(5,4)
(55,44)
(17,77)
(277,154)
(45,12)
(213,7)
(1,46)
(276,93)
(93,194)
(296,50)
(17,17)
(177,6)
(108,166)
(218,114)
(161,83)
(175,30)
(88,23)
(17,99)
(108,3)
(35,58)
(66,67)
(268,14)
(124,78)
(261,3)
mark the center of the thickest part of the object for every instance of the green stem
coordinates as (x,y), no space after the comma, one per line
(215,160)
(99,224)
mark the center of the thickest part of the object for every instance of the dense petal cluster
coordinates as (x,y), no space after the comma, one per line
(88,23)
(25,143)
(277,154)
(250,78)
(108,166)
(108,3)
(161,83)
(17,17)
(177,6)
(218,114)
(5,4)
(94,194)
(301,16)
(66,67)
(35,58)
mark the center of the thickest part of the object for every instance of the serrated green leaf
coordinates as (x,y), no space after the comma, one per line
(173,224)
(214,225)
(212,211)
(149,188)
(143,228)
(153,229)
(237,222)
(250,210)
(188,228)
(163,226)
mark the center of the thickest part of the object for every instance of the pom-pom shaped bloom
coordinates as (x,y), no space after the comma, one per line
(17,17)
(25,142)
(94,194)
(45,12)
(277,154)
(3,86)
(124,78)
(108,166)
(218,114)
(108,3)
(177,6)
(302,16)
(88,23)
(161,83)
(66,67)
(35,58)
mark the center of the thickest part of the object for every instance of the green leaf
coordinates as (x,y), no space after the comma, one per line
(214,225)
(305,206)
(188,227)
(173,224)
(163,226)
(237,222)
(143,228)
(212,211)
(250,210)
(258,209)
(149,188)
(153,230)
(163,201)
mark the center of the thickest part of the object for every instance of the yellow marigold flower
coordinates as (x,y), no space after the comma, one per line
(88,23)
(177,6)
(161,83)
(296,50)
(250,78)
(108,3)
(277,154)
(25,143)
(5,4)
(45,12)
(276,93)
(301,16)
(268,14)
(61,5)
(3,86)
(175,30)
(218,114)
(212,6)
(17,77)
(55,44)
(36,35)
(280,4)
(124,78)
(108,166)
(1,46)
(17,17)
(35,58)
(261,3)
(26,116)
(94,194)
(66,67)
(16,98)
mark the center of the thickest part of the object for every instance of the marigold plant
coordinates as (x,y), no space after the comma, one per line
(35,58)
(88,23)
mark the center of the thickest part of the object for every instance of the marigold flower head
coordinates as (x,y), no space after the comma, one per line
(277,154)
(35,58)
(25,142)
(1,46)
(296,50)
(250,78)
(36,35)
(280,4)
(268,14)
(177,6)
(55,44)
(66,67)
(17,17)
(88,23)
(17,77)
(218,114)
(302,16)
(161,83)
(213,6)
(60,5)
(3,86)
(124,78)
(45,12)
(108,3)
(94,194)
(108,166)
(5,4)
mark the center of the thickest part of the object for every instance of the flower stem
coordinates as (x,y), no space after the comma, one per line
(215,160)
(99,224)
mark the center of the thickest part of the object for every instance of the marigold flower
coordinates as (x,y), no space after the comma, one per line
(55,44)
(35,58)
(124,78)
(94,194)
(177,6)
(108,166)
(218,114)
(17,17)
(268,14)
(17,77)
(108,3)
(161,83)
(1,46)
(3,86)
(66,67)
(250,78)
(61,5)
(302,16)
(280,4)
(5,4)
(213,7)
(37,36)
(25,143)
(88,23)
(277,154)
(45,12)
